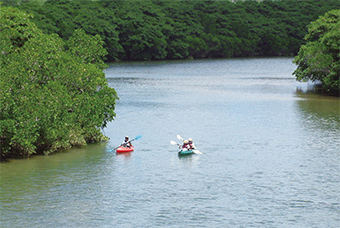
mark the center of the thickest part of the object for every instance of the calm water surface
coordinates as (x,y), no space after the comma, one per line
(270,154)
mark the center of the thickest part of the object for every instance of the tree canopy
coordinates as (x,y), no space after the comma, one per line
(167,29)
(319,59)
(53,92)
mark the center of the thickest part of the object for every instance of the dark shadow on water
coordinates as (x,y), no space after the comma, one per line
(186,156)
(316,89)
(318,111)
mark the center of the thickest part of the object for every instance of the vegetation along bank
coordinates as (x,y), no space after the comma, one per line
(54,94)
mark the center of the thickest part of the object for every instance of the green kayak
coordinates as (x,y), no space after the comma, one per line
(185,152)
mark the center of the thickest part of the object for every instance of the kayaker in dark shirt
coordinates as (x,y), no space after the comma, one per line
(126,142)
(185,145)
(191,144)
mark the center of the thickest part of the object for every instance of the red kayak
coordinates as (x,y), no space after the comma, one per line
(124,149)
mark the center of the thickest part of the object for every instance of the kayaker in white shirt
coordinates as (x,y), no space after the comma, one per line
(126,142)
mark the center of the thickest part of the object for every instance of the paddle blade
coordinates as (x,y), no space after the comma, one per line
(197,152)
(180,138)
(173,142)
(138,137)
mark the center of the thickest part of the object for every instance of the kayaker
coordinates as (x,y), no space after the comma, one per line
(126,142)
(186,145)
(191,144)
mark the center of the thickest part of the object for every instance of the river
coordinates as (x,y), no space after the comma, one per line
(270,154)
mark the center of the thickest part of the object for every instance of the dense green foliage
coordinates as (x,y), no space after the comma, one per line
(53,92)
(176,29)
(319,59)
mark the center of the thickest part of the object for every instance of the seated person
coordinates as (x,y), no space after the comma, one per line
(191,144)
(185,145)
(126,142)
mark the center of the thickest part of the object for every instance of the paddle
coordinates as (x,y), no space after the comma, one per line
(180,138)
(197,151)
(174,143)
(136,138)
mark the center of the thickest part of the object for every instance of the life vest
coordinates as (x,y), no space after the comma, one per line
(191,145)
(185,146)
(126,144)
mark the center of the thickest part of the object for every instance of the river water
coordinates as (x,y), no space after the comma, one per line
(270,154)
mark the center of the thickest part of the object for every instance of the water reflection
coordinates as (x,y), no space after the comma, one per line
(189,161)
(319,111)
(320,124)
(133,80)
(124,155)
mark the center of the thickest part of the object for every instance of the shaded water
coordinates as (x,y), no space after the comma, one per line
(270,154)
